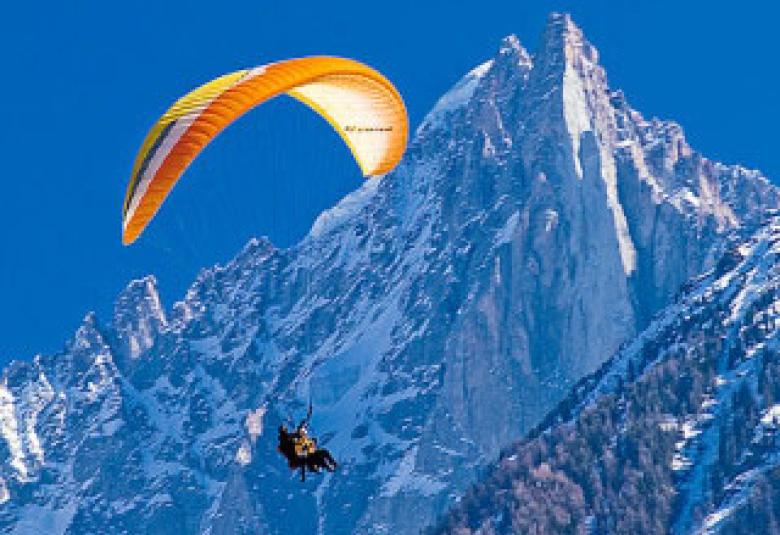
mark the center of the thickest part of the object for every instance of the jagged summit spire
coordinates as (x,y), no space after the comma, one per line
(510,46)
(509,67)
(562,20)
(140,296)
(563,42)
(138,316)
(561,25)
(89,334)
(510,43)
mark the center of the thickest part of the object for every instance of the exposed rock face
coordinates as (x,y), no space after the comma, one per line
(433,316)
(678,433)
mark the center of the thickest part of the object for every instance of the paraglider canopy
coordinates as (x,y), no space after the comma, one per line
(360,104)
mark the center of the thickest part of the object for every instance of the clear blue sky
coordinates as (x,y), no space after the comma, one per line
(83,81)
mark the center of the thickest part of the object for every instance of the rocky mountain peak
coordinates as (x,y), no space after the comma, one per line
(138,317)
(564,45)
(140,297)
(679,432)
(536,223)
(510,47)
(89,335)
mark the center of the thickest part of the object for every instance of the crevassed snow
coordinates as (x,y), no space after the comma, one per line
(457,97)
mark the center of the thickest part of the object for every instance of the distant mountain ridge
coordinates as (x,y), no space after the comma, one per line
(434,316)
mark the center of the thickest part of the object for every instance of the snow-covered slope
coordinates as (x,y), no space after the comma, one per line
(435,315)
(678,433)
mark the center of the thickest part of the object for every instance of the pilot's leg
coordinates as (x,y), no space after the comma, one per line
(331,461)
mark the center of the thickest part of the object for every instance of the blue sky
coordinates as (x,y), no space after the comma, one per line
(84,80)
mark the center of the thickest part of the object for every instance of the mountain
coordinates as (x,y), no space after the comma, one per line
(679,432)
(433,316)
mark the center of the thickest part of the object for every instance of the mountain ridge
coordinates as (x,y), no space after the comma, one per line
(434,316)
(676,433)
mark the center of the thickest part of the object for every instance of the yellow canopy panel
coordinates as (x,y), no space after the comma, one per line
(360,104)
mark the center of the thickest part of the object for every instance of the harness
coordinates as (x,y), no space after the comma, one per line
(304,446)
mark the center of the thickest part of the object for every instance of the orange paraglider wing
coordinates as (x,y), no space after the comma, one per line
(360,104)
